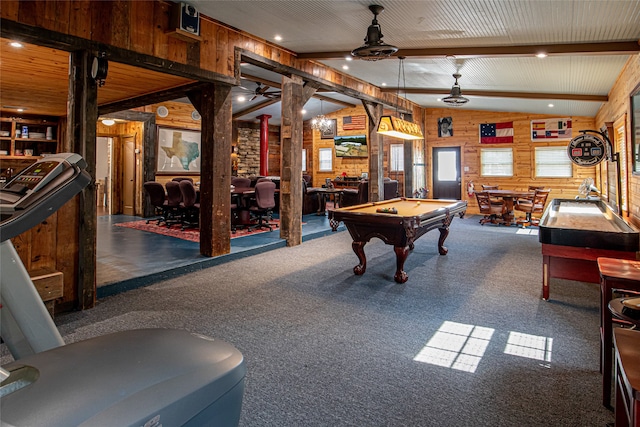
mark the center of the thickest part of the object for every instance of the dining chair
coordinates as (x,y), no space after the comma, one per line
(264,203)
(174,200)
(532,207)
(182,178)
(158,200)
(494,200)
(492,212)
(190,206)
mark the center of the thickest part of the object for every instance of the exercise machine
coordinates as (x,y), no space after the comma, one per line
(143,377)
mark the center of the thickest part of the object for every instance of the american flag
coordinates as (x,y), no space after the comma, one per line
(496,133)
(354,122)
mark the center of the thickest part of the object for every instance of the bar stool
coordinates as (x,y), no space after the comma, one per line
(621,275)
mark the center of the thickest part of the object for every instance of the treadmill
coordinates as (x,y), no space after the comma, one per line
(144,377)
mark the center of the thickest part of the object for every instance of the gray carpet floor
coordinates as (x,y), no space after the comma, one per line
(467,341)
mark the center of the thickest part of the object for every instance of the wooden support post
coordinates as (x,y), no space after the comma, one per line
(293,99)
(376,152)
(82,115)
(215,175)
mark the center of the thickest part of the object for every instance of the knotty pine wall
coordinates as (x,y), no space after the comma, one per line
(466,135)
(619,107)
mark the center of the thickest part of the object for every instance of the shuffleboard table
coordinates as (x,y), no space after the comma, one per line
(574,233)
(412,218)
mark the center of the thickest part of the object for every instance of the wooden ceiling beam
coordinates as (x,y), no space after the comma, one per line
(600,48)
(255,107)
(501,94)
(151,98)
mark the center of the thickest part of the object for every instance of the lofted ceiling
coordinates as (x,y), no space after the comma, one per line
(492,43)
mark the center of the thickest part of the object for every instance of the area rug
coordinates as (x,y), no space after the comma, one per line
(192,235)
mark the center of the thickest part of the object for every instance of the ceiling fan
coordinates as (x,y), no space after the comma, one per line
(262,90)
(374,48)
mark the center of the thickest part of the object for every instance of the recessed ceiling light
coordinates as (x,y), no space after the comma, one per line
(108,122)
(20,110)
(438,99)
(345,67)
(15,44)
(241,98)
(384,84)
(348,58)
(304,111)
(278,37)
(551,105)
(541,55)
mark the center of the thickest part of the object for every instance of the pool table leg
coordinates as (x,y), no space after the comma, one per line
(358,248)
(401,255)
(444,232)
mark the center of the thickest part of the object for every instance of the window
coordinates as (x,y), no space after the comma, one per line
(496,161)
(304,160)
(553,162)
(396,157)
(325,159)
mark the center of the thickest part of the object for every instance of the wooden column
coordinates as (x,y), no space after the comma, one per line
(407,191)
(82,116)
(264,144)
(214,105)
(293,99)
(376,152)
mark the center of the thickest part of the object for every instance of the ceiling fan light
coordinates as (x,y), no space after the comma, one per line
(374,48)
(455,99)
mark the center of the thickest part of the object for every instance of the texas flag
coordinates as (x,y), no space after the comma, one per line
(496,133)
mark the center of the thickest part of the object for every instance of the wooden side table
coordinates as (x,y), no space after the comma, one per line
(627,345)
(618,274)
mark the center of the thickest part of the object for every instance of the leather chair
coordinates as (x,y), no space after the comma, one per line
(390,189)
(190,207)
(357,196)
(310,200)
(532,207)
(181,178)
(240,182)
(174,204)
(492,212)
(158,200)
(264,203)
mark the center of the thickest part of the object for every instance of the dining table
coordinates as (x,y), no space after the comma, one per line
(509,197)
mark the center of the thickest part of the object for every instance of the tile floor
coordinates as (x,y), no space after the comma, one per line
(127,258)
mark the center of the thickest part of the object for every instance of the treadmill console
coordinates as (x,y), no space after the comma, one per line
(39,190)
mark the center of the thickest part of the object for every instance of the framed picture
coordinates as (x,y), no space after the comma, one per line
(445,127)
(178,151)
(331,132)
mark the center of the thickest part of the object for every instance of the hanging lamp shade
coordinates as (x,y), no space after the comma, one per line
(455,99)
(374,48)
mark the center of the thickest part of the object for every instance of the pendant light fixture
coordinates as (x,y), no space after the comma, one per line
(321,122)
(455,99)
(397,127)
(374,48)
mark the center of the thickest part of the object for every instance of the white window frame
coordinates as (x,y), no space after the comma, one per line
(496,162)
(304,160)
(396,157)
(325,159)
(554,163)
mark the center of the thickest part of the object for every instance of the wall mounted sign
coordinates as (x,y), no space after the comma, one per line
(587,150)
(551,129)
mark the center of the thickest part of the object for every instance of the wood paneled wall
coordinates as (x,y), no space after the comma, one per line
(466,135)
(619,107)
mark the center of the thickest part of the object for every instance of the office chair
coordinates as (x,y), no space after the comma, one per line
(174,207)
(264,204)
(240,182)
(190,206)
(158,200)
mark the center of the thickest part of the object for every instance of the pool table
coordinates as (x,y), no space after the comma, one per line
(414,218)
(574,233)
